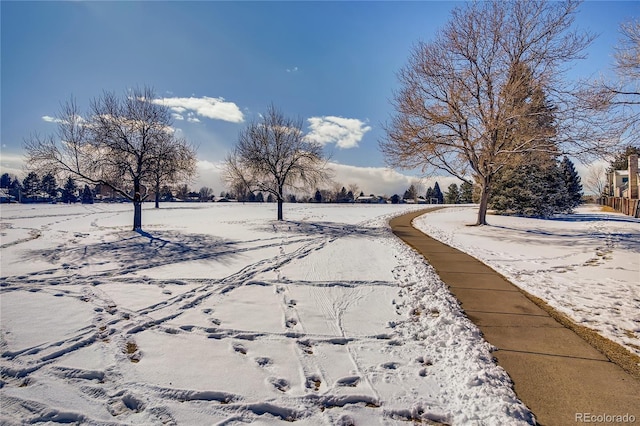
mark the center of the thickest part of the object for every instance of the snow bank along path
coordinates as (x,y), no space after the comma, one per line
(586,265)
(217,314)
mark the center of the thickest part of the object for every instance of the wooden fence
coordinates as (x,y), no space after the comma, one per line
(628,206)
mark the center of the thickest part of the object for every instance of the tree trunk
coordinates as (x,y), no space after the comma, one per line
(137,215)
(157,196)
(137,207)
(484,202)
(280,201)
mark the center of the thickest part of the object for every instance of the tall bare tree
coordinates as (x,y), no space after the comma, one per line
(120,144)
(272,154)
(461,108)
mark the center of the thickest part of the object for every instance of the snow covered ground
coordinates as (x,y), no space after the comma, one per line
(586,265)
(218,314)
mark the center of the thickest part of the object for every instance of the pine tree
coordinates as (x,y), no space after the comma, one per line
(410,193)
(429,195)
(270,198)
(621,159)
(452,196)
(31,185)
(87,195)
(49,185)
(318,196)
(437,193)
(342,196)
(5,181)
(260,197)
(572,183)
(69,192)
(466,193)
(531,190)
(350,197)
(395,199)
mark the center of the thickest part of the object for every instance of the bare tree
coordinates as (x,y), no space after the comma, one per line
(596,178)
(174,161)
(461,107)
(619,98)
(120,144)
(205,193)
(272,154)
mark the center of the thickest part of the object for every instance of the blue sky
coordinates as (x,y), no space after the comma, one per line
(219,64)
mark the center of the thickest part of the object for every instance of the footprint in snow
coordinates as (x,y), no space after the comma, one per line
(281,384)
(351,381)
(313,382)
(390,365)
(263,361)
(237,347)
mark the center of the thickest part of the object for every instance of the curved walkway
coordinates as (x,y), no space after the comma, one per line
(558,375)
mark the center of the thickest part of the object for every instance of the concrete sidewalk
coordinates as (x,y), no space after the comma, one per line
(557,374)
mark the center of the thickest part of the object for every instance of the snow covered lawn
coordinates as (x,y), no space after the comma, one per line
(586,265)
(218,314)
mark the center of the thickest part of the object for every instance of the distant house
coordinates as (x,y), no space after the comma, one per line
(370,199)
(623,183)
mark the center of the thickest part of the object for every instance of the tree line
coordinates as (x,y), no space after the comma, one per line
(484,101)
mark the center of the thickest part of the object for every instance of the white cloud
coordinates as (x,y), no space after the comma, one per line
(383,180)
(214,108)
(210,174)
(12,163)
(50,119)
(344,132)
(193,120)
(294,69)
(177,117)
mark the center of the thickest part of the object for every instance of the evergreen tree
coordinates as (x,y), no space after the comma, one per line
(437,193)
(342,196)
(572,183)
(350,197)
(270,198)
(49,185)
(292,198)
(530,190)
(69,192)
(318,196)
(452,196)
(5,181)
(429,195)
(251,197)
(31,185)
(260,198)
(395,199)
(410,193)
(621,159)
(466,193)
(87,195)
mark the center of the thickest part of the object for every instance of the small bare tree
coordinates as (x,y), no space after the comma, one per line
(272,154)
(465,103)
(125,143)
(174,161)
(596,178)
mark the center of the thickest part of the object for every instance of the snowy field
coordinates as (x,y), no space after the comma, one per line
(218,314)
(586,265)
